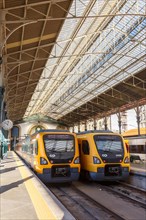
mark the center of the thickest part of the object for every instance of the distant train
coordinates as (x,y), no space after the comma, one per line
(104,156)
(52,154)
(137,143)
(137,147)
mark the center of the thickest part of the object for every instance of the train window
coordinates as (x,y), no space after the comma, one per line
(140,149)
(36,147)
(132,149)
(22,148)
(110,143)
(31,149)
(85,147)
(59,143)
(137,149)
(26,148)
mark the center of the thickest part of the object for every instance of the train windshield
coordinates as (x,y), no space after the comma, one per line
(109,143)
(59,143)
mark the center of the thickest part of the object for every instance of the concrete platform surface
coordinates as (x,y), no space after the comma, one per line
(24,197)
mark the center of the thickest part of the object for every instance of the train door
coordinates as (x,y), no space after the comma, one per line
(85,154)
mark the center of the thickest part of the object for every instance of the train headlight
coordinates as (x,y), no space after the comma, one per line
(43,161)
(96,160)
(126,160)
(77,160)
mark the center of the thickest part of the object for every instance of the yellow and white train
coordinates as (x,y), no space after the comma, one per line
(104,155)
(52,154)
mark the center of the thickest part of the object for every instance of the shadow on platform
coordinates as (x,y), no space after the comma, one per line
(13,185)
(9,169)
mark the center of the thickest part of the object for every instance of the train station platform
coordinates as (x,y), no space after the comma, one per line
(23,196)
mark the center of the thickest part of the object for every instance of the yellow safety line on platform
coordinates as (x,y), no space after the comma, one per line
(41,207)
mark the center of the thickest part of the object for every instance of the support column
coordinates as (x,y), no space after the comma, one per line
(73,128)
(105,123)
(119,122)
(1,120)
(94,123)
(79,127)
(1,104)
(2,116)
(2,39)
(85,125)
(110,123)
(137,110)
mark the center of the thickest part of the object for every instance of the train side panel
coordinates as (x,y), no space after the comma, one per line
(137,147)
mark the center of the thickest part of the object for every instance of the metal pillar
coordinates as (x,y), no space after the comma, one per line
(137,110)
(79,127)
(4,133)
(2,18)
(94,122)
(1,119)
(85,125)
(110,123)
(2,38)
(105,123)
(119,122)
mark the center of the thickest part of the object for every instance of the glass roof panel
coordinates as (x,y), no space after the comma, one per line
(94,54)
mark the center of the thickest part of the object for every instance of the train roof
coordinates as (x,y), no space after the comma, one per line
(50,130)
(134,132)
(94,131)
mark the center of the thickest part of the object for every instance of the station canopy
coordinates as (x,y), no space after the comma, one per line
(73,60)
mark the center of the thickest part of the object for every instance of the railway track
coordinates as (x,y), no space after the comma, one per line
(137,181)
(141,190)
(91,200)
(132,193)
(81,205)
(125,207)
